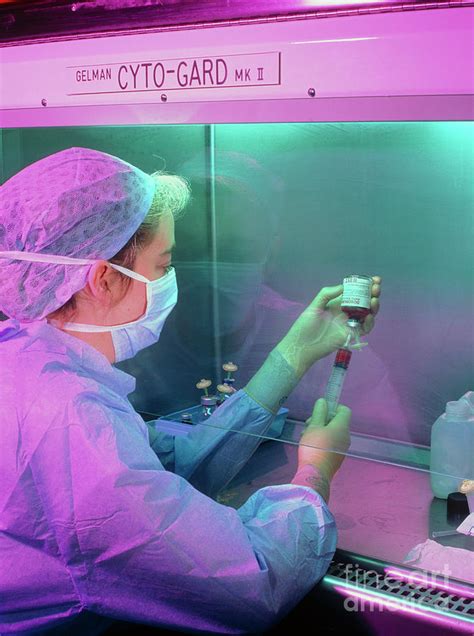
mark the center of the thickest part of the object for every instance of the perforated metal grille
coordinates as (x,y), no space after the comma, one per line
(428,596)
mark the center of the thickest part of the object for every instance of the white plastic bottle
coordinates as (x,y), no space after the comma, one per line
(452,448)
(469,398)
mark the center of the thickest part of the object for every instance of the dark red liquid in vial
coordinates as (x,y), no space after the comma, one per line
(359,313)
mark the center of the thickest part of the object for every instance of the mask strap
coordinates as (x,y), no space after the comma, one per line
(36,257)
(56,259)
(129,272)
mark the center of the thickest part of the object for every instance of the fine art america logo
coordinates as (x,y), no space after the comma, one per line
(398,590)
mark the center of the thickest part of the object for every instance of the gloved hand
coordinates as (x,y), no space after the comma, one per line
(322,328)
(319,439)
(321,449)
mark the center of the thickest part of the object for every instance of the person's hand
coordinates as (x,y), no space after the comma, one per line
(320,440)
(322,328)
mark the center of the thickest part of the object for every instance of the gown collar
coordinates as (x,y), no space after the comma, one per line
(85,358)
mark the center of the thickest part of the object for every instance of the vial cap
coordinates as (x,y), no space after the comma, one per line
(225,388)
(203,384)
(210,400)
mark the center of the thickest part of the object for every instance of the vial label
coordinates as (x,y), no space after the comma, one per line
(357,292)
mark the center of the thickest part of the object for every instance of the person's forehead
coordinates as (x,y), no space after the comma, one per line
(164,239)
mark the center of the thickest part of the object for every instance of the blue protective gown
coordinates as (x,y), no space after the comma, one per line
(95,524)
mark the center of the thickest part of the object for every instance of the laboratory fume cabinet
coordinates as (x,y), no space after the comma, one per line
(319,141)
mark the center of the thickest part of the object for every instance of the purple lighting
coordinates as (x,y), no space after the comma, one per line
(341,3)
(431,615)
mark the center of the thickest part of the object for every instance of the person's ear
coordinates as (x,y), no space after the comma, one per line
(99,280)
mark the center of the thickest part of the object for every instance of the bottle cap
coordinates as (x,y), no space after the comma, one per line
(459,410)
(469,398)
(210,400)
(457,507)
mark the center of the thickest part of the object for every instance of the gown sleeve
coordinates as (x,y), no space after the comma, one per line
(213,452)
(142,544)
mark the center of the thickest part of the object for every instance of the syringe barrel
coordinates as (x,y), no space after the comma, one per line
(336,380)
(333,389)
(343,357)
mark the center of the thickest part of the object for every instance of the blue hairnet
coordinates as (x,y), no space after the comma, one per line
(78,203)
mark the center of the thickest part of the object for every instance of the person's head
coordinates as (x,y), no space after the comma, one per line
(68,222)
(110,297)
(247,199)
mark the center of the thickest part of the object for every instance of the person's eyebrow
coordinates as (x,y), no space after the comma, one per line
(169,250)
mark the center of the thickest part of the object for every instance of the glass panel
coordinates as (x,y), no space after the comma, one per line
(278,212)
(382,510)
(161,388)
(311,203)
(285,209)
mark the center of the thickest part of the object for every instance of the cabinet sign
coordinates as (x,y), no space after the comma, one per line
(229,71)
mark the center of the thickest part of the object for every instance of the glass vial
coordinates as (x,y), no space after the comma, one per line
(356,297)
(208,404)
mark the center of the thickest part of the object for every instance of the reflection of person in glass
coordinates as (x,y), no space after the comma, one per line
(252,314)
(95,524)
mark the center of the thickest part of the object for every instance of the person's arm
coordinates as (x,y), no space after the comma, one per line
(211,455)
(142,544)
(213,452)
(315,478)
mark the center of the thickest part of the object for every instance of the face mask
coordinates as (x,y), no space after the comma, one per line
(128,339)
(132,337)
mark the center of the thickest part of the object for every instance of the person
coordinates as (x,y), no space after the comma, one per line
(96,525)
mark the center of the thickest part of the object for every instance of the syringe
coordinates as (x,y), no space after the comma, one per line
(336,380)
